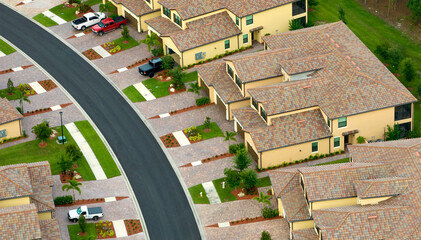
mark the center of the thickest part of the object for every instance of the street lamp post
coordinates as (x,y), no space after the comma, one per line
(61,120)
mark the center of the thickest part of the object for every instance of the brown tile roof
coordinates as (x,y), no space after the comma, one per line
(284,131)
(163,25)
(214,74)
(15,182)
(336,181)
(138,7)
(381,187)
(50,229)
(19,222)
(305,234)
(8,112)
(192,8)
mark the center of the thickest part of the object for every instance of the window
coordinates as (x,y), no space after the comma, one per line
(237,21)
(315,147)
(249,20)
(337,142)
(245,38)
(255,104)
(342,122)
(149,1)
(200,55)
(404,128)
(403,112)
(263,114)
(230,72)
(238,82)
(266,46)
(298,7)
(328,123)
(177,19)
(167,12)
(3,133)
(170,51)
(227,44)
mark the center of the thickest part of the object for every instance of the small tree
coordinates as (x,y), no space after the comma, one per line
(263,199)
(232,177)
(242,160)
(360,139)
(230,136)
(82,223)
(73,185)
(194,88)
(108,7)
(265,236)
(151,40)
(177,75)
(73,152)
(42,131)
(125,33)
(393,133)
(23,98)
(312,3)
(408,70)
(207,123)
(249,178)
(167,62)
(415,7)
(65,163)
(10,87)
(342,14)
(295,24)
(383,50)
(395,57)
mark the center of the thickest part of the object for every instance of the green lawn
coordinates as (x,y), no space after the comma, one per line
(160,89)
(372,31)
(131,43)
(6,48)
(215,131)
(225,193)
(28,152)
(195,194)
(264,182)
(46,21)
(134,95)
(74,229)
(343,160)
(68,14)
(99,149)
(4,94)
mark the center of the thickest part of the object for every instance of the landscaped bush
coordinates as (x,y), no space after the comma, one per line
(157,52)
(63,200)
(361,139)
(268,212)
(202,101)
(191,131)
(234,148)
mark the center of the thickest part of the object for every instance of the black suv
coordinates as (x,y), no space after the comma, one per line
(150,68)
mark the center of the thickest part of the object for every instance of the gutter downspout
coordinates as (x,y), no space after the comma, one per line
(260,160)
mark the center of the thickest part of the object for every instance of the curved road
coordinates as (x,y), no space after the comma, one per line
(164,205)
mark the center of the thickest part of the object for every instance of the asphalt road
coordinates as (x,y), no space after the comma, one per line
(164,205)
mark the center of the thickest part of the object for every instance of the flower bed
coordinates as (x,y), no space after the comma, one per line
(7,140)
(133,226)
(38,111)
(170,141)
(91,54)
(247,220)
(216,157)
(192,133)
(47,84)
(138,63)
(105,229)
(112,47)
(11,70)
(184,110)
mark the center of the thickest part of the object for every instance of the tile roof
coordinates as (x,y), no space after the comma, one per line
(241,8)
(19,222)
(336,181)
(50,229)
(284,131)
(163,25)
(15,182)
(214,74)
(381,187)
(138,7)
(305,234)
(8,112)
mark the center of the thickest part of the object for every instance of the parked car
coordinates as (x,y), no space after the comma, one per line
(109,24)
(89,19)
(89,213)
(150,68)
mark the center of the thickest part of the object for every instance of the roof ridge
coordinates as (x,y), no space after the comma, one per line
(288,182)
(40,202)
(338,169)
(369,186)
(16,184)
(22,211)
(298,211)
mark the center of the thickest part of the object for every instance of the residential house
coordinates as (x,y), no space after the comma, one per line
(137,11)
(312,91)
(26,202)
(376,196)
(10,121)
(196,30)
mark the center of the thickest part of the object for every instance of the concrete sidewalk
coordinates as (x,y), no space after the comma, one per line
(54,17)
(144,91)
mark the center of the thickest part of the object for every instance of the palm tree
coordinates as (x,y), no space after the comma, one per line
(230,136)
(73,185)
(194,88)
(23,98)
(263,199)
(151,40)
(107,7)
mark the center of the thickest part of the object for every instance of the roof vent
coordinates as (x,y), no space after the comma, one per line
(417,153)
(301,121)
(308,86)
(327,35)
(336,45)
(207,24)
(372,217)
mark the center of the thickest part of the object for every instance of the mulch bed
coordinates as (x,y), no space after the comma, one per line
(169,141)
(91,54)
(247,220)
(133,226)
(235,192)
(110,46)
(206,160)
(176,91)
(81,14)
(12,140)
(10,70)
(163,76)
(138,63)
(109,225)
(191,142)
(184,110)
(47,84)
(87,31)
(44,110)
(64,177)
(89,201)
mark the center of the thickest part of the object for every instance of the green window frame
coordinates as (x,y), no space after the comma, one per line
(237,21)
(227,44)
(238,82)
(177,19)
(230,71)
(263,113)
(315,147)
(245,38)
(3,133)
(342,122)
(255,104)
(328,123)
(249,20)
(266,46)
(167,12)
(337,142)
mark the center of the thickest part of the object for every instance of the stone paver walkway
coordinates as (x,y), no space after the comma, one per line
(211,192)
(120,228)
(37,87)
(54,17)
(101,51)
(2,54)
(181,138)
(144,91)
(87,151)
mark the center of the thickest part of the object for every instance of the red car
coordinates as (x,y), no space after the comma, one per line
(109,24)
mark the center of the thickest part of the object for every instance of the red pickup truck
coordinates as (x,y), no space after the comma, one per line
(109,24)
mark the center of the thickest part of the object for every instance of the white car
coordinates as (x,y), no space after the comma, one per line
(89,213)
(89,19)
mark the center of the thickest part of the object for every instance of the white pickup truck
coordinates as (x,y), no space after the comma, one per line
(89,213)
(89,19)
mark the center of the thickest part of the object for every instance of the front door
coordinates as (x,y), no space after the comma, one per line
(346,140)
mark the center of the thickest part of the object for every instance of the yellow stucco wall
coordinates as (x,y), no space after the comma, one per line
(12,129)
(45,216)
(143,18)
(14,202)
(302,225)
(236,105)
(334,203)
(281,208)
(211,89)
(260,83)
(372,200)
(153,4)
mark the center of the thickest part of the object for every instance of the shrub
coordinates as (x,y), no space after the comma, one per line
(234,148)
(361,139)
(265,236)
(268,212)
(167,62)
(83,7)
(191,131)
(395,57)
(408,70)
(232,177)
(294,24)
(63,200)
(242,160)
(202,101)
(207,123)
(82,223)
(341,14)
(249,178)
(157,52)
(125,32)
(10,87)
